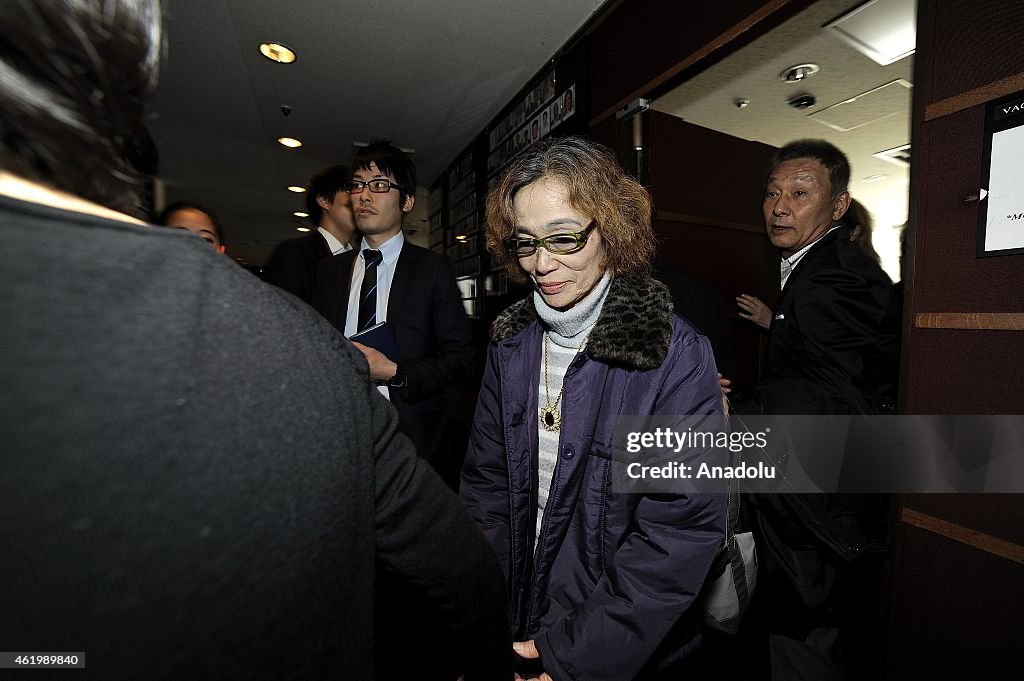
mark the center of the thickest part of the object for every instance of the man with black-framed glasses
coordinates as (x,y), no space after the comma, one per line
(387,279)
(390,280)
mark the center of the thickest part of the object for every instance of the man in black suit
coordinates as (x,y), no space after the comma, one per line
(832,342)
(415,294)
(414,291)
(832,349)
(292,265)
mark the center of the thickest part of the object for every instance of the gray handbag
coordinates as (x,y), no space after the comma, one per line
(733,576)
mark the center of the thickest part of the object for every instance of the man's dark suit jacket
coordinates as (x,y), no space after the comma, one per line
(293,264)
(429,323)
(833,344)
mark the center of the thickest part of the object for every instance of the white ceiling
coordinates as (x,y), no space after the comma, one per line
(429,75)
(752,73)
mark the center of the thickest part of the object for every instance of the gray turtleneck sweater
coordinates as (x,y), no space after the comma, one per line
(566,332)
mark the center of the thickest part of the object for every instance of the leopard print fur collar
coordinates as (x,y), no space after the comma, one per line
(634,328)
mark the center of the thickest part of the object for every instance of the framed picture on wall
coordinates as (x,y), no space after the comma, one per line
(568,105)
(1001,200)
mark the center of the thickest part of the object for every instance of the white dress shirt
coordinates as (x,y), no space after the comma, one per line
(786,265)
(333,243)
(389,250)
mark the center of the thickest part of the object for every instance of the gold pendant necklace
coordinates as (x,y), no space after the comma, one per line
(550,417)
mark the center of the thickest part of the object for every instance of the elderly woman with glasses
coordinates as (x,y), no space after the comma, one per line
(601,579)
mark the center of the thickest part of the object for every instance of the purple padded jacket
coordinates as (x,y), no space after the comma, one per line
(608,593)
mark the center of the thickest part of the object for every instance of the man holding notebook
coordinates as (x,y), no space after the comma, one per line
(408,289)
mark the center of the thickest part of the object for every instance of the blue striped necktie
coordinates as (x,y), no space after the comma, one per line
(368,290)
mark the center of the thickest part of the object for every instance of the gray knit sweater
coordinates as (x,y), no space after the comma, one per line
(566,332)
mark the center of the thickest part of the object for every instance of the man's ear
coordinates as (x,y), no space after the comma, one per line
(840,205)
(323,203)
(410,201)
(221,249)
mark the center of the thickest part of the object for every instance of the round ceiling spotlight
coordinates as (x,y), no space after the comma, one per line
(296,188)
(302,229)
(301,214)
(277,52)
(795,74)
(289,142)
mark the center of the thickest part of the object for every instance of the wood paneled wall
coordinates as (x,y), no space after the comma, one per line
(957,589)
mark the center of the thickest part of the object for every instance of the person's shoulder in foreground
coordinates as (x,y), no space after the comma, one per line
(189,482)
(185,489)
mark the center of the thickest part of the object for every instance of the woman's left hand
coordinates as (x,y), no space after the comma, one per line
(528,650)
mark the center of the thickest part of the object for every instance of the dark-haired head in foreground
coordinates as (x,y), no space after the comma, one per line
(71,115)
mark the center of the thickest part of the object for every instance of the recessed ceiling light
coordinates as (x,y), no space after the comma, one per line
(296,188)
(277,52)
(300,214)
(302,229)
(289,142)
(794,74)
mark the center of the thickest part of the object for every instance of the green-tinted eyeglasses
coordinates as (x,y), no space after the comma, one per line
(376,186)
(560,244)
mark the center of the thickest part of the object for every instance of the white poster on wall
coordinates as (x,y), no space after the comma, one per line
(1002,195)
(1004,228)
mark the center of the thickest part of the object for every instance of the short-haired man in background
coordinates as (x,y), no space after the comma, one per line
(413,290)
(832,350)
(293,264)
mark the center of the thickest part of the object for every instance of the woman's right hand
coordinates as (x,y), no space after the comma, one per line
(528,651)
(725,384)
(754,310)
